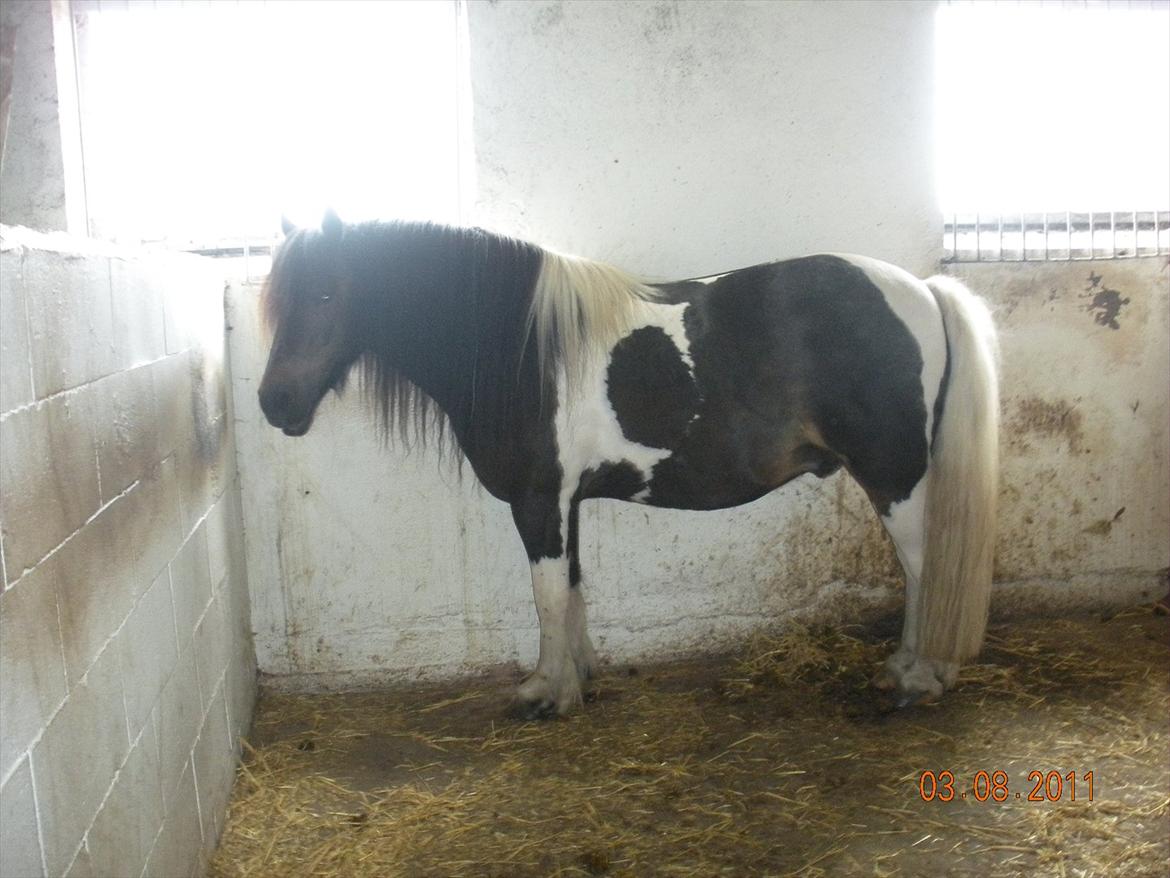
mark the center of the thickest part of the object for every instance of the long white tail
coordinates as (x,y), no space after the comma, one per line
(964,475)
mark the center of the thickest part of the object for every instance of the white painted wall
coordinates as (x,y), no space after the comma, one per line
(674,140)
(680,139)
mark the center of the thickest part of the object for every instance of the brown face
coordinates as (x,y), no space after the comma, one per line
(312,348)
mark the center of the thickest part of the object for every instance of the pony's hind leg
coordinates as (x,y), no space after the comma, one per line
(580,647)
(912,675)
(954,516)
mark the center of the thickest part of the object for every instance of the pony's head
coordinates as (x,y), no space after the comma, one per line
(308,309)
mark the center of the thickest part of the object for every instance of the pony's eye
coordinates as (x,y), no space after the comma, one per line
(325,298)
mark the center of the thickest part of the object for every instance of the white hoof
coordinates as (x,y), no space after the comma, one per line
(916,679)
(542,696)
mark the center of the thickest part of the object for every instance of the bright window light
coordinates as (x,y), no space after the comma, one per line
(1053,108)
(204,123)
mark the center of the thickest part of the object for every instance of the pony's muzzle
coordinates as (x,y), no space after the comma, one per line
(279,407)
(275,403)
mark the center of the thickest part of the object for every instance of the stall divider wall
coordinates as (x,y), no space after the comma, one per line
(128,673)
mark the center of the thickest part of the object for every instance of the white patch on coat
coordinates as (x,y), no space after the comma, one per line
(913,303)
(709,279)
(587,428)
(671,321)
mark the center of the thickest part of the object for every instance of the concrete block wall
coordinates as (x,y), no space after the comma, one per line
(126,666)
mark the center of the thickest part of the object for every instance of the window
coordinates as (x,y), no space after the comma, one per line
(1053,129)
(203,122)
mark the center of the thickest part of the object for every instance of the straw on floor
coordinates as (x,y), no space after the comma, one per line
(781,760)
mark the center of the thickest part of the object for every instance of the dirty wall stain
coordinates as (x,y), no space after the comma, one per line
(1106,303)
(1056,419)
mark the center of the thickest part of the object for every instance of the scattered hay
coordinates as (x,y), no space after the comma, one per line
(816,655)
(778,761)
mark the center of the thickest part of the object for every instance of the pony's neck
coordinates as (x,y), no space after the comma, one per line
(447,311)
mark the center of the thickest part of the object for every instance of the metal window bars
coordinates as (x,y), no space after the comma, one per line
(244,259)
(1055,237)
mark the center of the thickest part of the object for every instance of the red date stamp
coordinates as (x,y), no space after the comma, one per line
(995,786)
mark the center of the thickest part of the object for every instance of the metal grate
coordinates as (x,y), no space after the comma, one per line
(1044,237)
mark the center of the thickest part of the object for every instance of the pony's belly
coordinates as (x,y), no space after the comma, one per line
(669,485)
(674,485)
(721,479)
(705,472)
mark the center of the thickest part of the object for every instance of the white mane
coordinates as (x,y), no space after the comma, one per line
(580,308)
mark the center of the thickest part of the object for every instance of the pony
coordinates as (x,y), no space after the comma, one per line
(560,379)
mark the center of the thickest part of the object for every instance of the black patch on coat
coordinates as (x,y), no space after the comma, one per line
(867,399)
(940,399)
(801,366)
(618,481)
(574,545)
(538,519)
(651,389)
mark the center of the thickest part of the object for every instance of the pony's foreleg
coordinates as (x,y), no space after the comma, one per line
(914,676)
(555,686)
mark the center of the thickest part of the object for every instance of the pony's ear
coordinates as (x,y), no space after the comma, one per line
(286,225)
(331,225)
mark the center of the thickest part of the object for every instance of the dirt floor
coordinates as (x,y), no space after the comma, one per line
(778,761)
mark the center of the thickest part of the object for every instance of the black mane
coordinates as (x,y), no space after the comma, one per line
(442,315)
